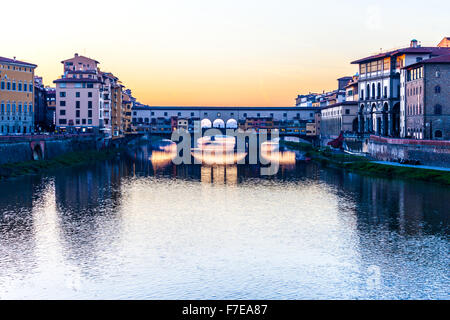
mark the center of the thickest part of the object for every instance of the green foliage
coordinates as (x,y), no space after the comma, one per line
(66,160)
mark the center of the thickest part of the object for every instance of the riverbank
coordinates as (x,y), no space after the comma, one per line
(12,170)
(363,165)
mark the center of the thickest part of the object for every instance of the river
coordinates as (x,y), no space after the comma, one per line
(131,228)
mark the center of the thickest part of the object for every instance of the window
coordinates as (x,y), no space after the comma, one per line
(438,109)
(179,114)
(77,114)
(62,94)
(192,114)
(363,68)
(90,85)
(62,103)
(14,86)
(438,134)
(19,86)
(245,115)
(25,88)
(20,107)
(2,107)
(165,114)
(77,94)
(437,89)
(89,113)
(3,85)
(83,121)
(62,112)
(30,87)
(25,107)
(347,111)
(90,104)
(89,121)
(8,86)
(89,94)
(62,121)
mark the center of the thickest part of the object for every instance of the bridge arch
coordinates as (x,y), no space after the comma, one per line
(219,123)
(206,123)
(232,124)
(37,152)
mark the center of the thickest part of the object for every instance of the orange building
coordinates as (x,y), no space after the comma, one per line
(16,96)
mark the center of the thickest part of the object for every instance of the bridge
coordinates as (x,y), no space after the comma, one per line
(222,117)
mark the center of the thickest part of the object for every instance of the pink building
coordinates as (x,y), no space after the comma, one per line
(78,102)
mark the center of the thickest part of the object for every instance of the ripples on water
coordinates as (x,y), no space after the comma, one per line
(133,229)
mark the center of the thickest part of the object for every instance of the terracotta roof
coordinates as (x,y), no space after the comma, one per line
(436,51)
(7,60)
(440,59)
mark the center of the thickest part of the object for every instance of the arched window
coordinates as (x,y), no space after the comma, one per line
(379,91)
(24,107)
(373,90)
(438,134)
(368,92)
(437,89)
(438,109)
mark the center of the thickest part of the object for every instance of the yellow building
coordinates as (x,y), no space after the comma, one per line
(127,104)
(16,96)
(116,110)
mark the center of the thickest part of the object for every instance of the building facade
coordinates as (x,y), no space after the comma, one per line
(16,96)
(78,108)
(381,88)
(427,99)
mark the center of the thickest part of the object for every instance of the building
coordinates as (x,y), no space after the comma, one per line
(445,43)
(116,110)
(427,99)
(50,95)
(351,89)
(40,105)
(337,118)
(183,124)
(127,106)
(256,123)
(16,96)
(141,116)
(78,107)
(381,88)
(89,100)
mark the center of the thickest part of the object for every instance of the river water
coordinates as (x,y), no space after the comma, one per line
(131,228)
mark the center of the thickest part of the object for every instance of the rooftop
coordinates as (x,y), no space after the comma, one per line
(14,61)
(436,51)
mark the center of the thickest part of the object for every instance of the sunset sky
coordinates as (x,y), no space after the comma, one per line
(210,52)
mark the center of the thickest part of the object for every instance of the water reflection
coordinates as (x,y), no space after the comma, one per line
(137,228)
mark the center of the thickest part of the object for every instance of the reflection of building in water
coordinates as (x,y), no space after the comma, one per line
(219,175)
(17,225)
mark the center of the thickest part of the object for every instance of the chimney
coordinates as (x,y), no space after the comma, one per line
(414,43)
(14,58)
(76,54)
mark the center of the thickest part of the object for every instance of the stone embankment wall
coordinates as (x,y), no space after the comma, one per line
(27,148)
(427,152)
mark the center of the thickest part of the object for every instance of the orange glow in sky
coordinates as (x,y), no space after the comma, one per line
(224,53)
